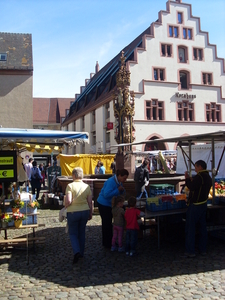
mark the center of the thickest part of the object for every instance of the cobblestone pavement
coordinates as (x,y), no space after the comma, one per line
(48,272)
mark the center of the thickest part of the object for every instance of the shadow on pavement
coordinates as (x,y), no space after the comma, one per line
(52,262)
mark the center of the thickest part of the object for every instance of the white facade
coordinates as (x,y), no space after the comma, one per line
(144,83)
(178,81)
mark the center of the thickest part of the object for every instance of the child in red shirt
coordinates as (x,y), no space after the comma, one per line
(132,214)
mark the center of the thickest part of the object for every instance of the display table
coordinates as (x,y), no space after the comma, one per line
(157,214)
(164,213)
(29,223)
(24,240)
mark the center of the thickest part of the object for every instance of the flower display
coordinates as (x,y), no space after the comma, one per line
(18,217)
(17,203)
(33,204)
(6,218)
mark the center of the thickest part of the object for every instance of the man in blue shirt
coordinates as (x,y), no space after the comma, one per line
(102,168)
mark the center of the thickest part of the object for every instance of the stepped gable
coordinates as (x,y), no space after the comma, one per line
(18,48)
(104,81)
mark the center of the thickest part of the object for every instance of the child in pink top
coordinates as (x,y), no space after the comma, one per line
(118,224)
(132,214)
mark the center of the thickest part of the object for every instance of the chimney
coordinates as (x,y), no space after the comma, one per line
(96,67)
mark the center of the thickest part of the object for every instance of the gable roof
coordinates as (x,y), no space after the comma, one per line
(18,48)
(50,110)
(105,80)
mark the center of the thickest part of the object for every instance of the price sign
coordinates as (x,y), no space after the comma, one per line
(8,166)
(6,173)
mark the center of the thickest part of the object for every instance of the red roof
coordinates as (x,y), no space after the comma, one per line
(50,110)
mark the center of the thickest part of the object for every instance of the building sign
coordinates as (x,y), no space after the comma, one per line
(8,166)
(109,125)
(185,96)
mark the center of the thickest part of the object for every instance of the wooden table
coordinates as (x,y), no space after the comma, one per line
(24,240)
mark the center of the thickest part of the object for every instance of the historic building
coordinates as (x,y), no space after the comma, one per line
(176,85)
(16,80)
(49,113)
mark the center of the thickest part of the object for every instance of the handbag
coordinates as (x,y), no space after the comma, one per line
(62,214)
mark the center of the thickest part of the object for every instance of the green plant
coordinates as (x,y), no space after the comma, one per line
(6,218)
(17,203)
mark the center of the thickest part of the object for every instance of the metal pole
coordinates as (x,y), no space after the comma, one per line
(213,166)
(189,162)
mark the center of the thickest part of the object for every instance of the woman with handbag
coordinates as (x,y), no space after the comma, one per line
(78,202)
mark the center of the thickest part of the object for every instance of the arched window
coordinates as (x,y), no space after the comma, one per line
(155,146)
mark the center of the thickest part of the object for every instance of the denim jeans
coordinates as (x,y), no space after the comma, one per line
(196,215)
(143,194)
(77,221)
(131,240)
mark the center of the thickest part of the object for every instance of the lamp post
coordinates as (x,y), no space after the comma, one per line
(123,105)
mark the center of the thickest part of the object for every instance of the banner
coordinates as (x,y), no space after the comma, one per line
(87,162)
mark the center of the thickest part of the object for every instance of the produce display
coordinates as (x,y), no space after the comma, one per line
(219,189)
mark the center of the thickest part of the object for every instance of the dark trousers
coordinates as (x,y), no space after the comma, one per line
(106,216)
(131,240)
(196,215)
(35,185)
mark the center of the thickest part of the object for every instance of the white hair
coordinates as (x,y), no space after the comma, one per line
(78,173)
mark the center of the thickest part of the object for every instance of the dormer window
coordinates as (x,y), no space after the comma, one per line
(3,56)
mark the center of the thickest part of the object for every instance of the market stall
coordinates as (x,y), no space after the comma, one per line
(207,138)
(12,143)
(165,205)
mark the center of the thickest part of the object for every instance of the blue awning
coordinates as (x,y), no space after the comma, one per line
(13,137)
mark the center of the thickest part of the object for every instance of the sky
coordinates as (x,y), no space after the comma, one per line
(69,36)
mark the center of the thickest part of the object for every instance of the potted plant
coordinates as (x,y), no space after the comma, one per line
(32,206)
(5,219)
(18,219)
(16,205)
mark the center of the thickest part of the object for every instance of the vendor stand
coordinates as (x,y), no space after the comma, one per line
(210,138)
(12,143)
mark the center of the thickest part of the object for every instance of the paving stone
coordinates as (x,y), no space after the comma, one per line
(155,274)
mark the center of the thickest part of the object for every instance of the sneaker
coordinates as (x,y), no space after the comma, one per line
(113,248)
(203,253)
(121,249)
(133,253)
(127,253)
